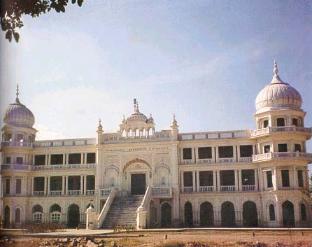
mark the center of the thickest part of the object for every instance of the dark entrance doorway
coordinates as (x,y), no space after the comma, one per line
(288,214)
(227,214)
(73,216)
(6,217)
(165,215)
(188,214)
(138,184)
(206,214)
(250,215)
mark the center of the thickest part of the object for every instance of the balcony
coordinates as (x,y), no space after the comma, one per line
(161,192)
(249,187)
(205,161)
(226,160)
(270,130)
(16,144)
(187,162)
(20,167)
(73,192)
(282,156)
(64,166)
(90,192)
(105,192)
(187,189)
(229,188)
(55,193)
(245,159)
(38,193)
(206,188)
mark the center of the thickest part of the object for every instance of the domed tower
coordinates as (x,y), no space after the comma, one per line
(137,125)
(18,136)
(281,154)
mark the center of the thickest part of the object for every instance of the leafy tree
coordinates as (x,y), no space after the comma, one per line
(12,10)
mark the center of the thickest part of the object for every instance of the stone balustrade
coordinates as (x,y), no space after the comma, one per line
(269,130)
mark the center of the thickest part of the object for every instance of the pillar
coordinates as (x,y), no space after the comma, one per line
(66,185)
(256,180)
(45,185)
(81,185)
(48,185)
(182,181)
(85,184)
(236,179)
(295,182)
(197,180)
(240,184)
(218,181)
(194,181)
(214,180)
(63,185)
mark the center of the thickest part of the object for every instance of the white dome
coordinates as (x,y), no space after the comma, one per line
(19,115)
(278,94)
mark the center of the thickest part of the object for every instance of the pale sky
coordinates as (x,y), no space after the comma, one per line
(205,61)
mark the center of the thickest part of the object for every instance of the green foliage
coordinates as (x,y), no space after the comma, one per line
(11,12)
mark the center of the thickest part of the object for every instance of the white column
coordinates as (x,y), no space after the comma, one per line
(81,185)
(236,179)
(48,185)
(66,186)
(197,178)
(85,184)
(194,184)
(81,158)
(218,180)
(240,184)
(45,185)
(256,179)
(32,185)
(217,154)
(295,182)
(182,181)
(215,180)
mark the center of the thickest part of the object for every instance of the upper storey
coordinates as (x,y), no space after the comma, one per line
(278,95)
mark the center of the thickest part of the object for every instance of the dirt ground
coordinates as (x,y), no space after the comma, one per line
(189,238)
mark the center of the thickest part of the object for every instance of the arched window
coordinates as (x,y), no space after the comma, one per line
(272,212)
(55,213)
(17,216)
(37,213)
(303,212)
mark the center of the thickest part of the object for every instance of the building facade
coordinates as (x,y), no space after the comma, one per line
(148,178)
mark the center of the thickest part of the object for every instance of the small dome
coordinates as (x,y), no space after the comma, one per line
(19,115)
(278,94)
(137,116)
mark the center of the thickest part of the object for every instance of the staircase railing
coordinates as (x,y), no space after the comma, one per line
(143,209)
(106,207)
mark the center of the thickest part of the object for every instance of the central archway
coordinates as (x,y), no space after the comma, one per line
(250,215)
(206,214)
(227,214)
(73,216)
(288,214)
(165,215)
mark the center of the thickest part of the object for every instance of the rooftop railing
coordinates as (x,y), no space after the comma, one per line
(269,130)
(214,135)
(65,142)
(64,166)
(16,144)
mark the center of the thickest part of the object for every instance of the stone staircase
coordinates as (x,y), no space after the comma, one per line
(123,211)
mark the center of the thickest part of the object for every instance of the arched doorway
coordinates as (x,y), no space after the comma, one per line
(250,215)
(6,217)
(206,214)
(165,215)
(288,214)
(153,214)
(188,214)
(73,216)
(17,216)
(227,214)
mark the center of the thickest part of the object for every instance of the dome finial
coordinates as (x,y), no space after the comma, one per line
(275,69)
(135,105)
(17,94)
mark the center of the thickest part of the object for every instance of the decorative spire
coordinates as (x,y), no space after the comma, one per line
(100,127)
(17,94)
(135,105)
(174,124)
(276,78)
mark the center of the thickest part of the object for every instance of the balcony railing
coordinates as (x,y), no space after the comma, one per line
(161,192)
(74,192)
(249,187)
(269,130)
(282,156)
(55,193)
(226,160)
(90,192)
(245,159)
(15,167)
(64,166)
(205,188)
(16,144)
(186,162)
(105,192)
(188,189)
(38,193)
(206,161)
(227,188)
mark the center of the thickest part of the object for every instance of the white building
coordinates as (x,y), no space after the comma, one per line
(142,177)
